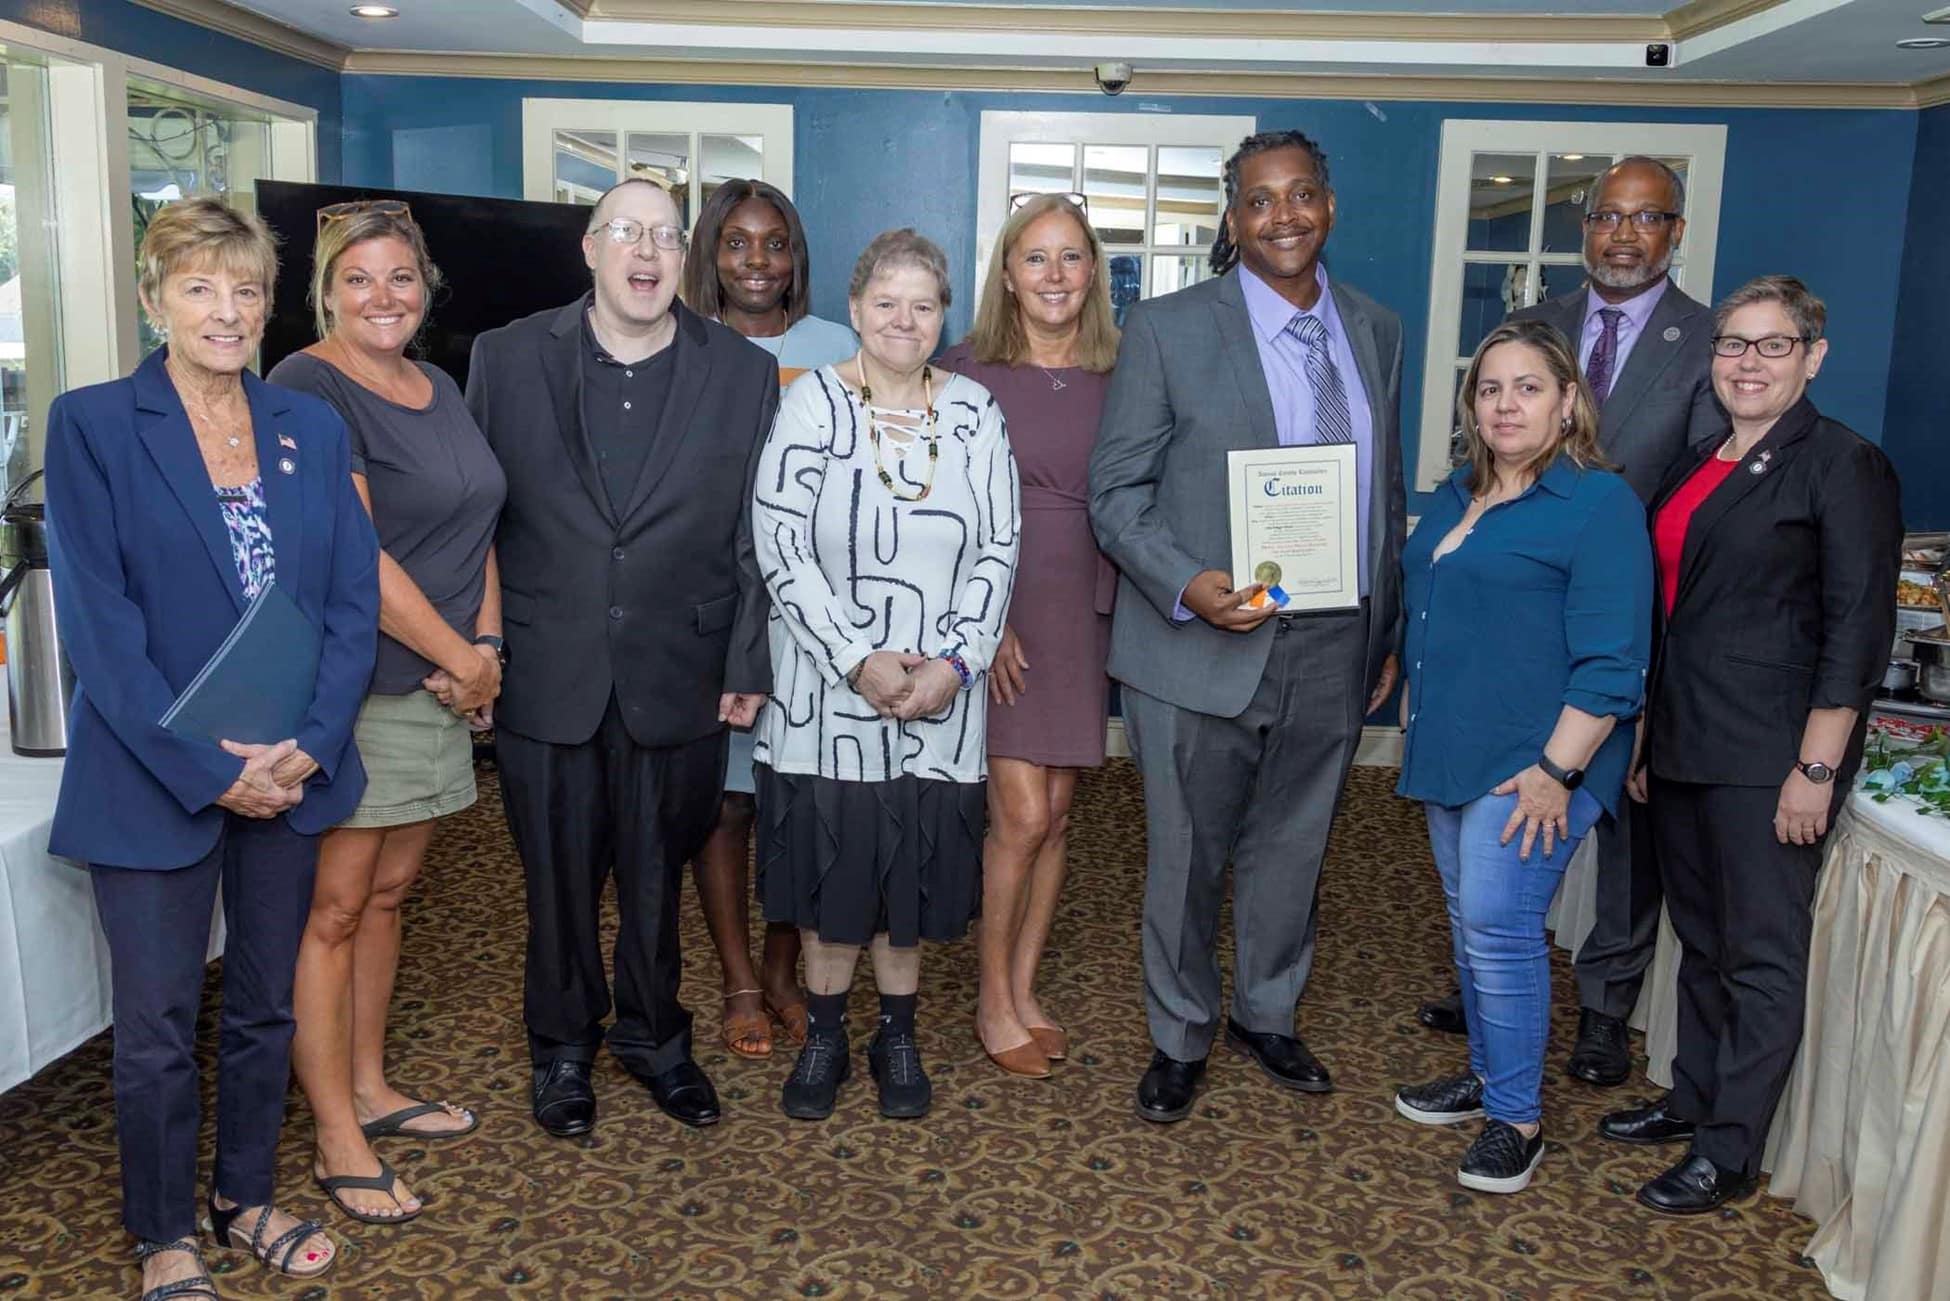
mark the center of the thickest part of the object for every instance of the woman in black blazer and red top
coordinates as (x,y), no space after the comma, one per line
(1778,553)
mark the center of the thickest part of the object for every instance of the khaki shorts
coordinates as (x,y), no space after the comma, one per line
(419,759)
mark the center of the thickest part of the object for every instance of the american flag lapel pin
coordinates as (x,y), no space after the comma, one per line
(286,440)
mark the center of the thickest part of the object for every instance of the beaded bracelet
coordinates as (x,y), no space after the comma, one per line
(960,666)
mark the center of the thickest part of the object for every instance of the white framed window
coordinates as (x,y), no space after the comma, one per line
(1509,208)
(1151,185)
(69,165)
(574,149)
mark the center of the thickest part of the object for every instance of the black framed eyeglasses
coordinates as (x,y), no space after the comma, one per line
(1606,219)
(1081,201)
(630,231)
(332,212)
(1768,345)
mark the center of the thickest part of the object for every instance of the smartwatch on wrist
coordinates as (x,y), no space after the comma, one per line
(1569,778)
(495,644)
(1817,772)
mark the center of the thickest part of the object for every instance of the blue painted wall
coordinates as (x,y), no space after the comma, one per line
(145,33)
(869,159)
(1917,433)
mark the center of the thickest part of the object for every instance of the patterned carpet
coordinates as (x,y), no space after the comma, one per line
(1011,1189)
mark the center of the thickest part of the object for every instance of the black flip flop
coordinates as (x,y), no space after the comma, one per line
(384,1182)
(393,1124)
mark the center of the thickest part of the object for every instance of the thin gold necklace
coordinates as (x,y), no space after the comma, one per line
(927,432)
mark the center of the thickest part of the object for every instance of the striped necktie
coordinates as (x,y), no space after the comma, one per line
(1332,423)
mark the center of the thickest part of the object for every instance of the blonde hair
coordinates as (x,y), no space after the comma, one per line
(998,335)
(1577,441)
(204,232)
(335,237)
(905,247)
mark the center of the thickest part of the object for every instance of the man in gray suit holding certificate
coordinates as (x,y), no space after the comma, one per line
(1244,719)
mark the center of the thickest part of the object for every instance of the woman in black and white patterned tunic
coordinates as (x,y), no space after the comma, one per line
(885,517)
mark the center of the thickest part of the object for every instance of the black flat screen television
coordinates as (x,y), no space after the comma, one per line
(502,259)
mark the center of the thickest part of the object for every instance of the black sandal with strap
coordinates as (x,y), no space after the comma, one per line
(199,1285)
(277,1253)
(386,1181)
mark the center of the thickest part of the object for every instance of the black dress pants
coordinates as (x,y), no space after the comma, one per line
(577,813)
(1611,962)
(158,929)
(1742,905)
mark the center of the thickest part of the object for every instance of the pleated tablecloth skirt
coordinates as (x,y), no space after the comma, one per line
(851,859)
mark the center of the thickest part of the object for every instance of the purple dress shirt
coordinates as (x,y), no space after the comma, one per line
(1637,311)
(1282,359)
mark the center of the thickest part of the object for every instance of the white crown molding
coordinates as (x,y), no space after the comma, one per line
(1257,85)
(255,28)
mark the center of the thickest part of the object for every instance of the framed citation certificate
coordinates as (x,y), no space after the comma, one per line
(1294,513)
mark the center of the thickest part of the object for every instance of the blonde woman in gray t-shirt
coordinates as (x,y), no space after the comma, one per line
(435,491)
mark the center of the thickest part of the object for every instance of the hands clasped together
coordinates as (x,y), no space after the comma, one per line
(905,686)
(272,781)
(472,694)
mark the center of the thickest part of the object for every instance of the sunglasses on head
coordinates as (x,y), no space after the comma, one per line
(332,212)
(1079,201)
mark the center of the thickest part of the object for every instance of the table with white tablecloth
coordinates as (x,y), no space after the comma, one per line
(1861,1141)
(54,990)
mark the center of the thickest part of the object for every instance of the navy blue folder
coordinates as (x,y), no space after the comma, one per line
(258,686)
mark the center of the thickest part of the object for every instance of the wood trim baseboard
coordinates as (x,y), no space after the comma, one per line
(1380,747)
(255,28)
(1079,81)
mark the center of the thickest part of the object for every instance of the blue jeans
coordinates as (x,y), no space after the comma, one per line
(1497,904)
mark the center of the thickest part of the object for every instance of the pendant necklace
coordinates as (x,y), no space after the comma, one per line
(927,432)
(1056,382)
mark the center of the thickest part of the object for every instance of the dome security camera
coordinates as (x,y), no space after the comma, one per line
(1112,77)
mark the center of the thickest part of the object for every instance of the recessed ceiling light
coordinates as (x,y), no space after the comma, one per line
(1572,158)
(374,11)
(1923,42)
(1503,180)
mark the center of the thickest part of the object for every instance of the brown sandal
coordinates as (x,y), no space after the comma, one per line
(743,1030)
(792,1018)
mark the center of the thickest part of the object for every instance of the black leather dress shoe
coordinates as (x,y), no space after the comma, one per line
(563,1098)
(684,1093)
(1603,1055)
(1646,1126)
(1444,1014)
(1283,1057)
(1694,1187)
(1168,1088)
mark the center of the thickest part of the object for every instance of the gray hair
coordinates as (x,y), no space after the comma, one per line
(1673,178)
(1809,313)
(901,248)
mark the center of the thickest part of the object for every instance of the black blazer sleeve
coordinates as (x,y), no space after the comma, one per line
(1859,509)
(748,660)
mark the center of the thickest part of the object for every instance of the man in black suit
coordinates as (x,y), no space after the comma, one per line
(1646,350)
(629,429)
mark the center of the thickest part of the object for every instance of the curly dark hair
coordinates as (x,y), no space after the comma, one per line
(1224,252)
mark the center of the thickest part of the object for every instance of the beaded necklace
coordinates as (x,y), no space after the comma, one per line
(926,432)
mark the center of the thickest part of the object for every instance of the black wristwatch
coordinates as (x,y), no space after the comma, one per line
(495,644)
(1817,772)
(1569,778)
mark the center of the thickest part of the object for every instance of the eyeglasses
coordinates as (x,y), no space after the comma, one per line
(628,230)
(1648,221)
(1768,345)
(1082,201)
(332,212)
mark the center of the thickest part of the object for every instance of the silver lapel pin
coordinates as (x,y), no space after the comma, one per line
(1760,463)
(287,465)
(1671,335)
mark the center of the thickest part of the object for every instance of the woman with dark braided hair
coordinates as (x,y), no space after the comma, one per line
(1243,719)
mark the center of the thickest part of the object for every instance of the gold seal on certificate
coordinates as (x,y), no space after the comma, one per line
(1294,512)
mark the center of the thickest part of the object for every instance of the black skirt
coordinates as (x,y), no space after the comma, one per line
(849,860)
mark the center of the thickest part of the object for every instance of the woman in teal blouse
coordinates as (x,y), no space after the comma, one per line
(1529,590)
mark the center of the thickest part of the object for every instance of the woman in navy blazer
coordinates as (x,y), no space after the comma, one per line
(174,496)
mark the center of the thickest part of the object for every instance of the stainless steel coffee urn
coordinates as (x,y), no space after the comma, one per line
(39,679)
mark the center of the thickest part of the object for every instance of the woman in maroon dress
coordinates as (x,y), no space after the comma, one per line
(1044,343)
